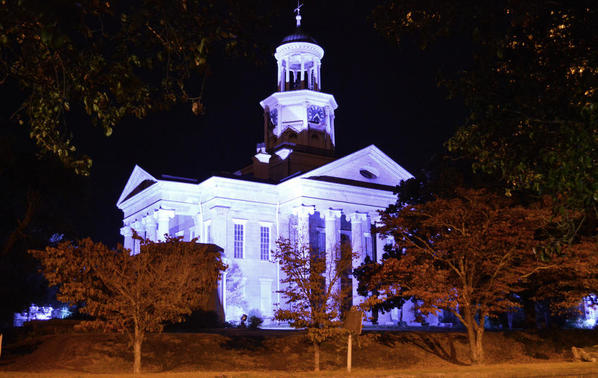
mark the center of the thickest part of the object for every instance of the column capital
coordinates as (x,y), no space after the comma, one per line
(220,210)
(126,231)
(333,213)
(164,214)
(304,210)
(149,219)
(358,217)
(139,226)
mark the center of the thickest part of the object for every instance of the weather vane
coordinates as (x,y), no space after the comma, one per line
(298,11)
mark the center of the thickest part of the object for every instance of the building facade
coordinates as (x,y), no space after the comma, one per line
(295,187)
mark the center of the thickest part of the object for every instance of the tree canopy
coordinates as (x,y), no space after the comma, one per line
(109,60)
(529,81)
(466,254)
(129,293)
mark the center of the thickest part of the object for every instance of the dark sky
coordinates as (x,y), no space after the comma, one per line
(387,96)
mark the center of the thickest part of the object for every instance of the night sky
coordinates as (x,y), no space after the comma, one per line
(387,96)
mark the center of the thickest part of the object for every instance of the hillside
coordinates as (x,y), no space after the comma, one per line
(59,348)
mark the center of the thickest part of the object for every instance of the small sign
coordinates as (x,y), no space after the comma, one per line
(353,321)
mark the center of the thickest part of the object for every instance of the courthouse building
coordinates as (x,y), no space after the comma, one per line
(295,187)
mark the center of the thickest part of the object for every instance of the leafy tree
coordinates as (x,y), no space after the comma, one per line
(312,291)
(464,254)
(129,293)
(111,60)
(529,80)
(38,194)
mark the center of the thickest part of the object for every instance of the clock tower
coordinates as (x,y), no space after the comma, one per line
(298,117)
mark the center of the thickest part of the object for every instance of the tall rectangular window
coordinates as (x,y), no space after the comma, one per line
(265,243)
(238,241)
(368,246)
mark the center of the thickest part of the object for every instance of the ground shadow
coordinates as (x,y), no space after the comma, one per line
(433,344)
(10,352)
(243,343)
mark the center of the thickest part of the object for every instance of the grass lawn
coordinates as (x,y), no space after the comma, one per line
(58,351)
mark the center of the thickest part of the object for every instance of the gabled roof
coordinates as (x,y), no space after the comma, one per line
(138,181)
(369,165)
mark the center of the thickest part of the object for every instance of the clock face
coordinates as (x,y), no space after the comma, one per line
(316,114)
(274,117)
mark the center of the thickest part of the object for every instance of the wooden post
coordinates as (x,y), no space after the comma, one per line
(349,348)
(0,345)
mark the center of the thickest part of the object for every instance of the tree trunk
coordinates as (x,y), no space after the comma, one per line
(529,309)
(475,334)
(137,351)
(479,345)
(316,357)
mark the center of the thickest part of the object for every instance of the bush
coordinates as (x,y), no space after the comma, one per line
(255,322)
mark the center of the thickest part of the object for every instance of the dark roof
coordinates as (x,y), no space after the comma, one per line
(180,179)
(142,186)
(298,36)
(339,180)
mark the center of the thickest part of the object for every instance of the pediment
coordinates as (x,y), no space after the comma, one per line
(368,166)
(137,182)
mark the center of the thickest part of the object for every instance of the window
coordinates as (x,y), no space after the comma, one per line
(238,245)
(368,246)
(265,243)
(367,174)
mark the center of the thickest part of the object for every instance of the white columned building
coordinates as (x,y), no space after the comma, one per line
(295,186)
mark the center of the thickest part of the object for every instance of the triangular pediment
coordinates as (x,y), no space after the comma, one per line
(369,165)
(137,182)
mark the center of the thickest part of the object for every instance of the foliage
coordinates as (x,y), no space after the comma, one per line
(571,275)
(530,83)
(255,322)
(111,60)
(311,289)
(235,286)
(128,293)
(37,194)
(464,254)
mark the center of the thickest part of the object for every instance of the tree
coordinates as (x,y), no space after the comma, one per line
(129,293)
(529,80)
(109,60)
(466,254)
(312,292)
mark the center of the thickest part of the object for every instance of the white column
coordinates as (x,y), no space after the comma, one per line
(127,232)
(287,73)
(332,219)
(302,67)
(140,229)
(219,225)
(357,221)
(222,290)
(150,224)
(319,75)
(303,212)
(332,137)
(164,217)
(198,218)
(279,76)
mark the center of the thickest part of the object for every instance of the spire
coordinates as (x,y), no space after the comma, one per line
(298,12)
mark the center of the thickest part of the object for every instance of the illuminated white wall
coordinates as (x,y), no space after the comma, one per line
(218,203)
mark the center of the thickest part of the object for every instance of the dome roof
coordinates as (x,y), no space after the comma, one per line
(298,36)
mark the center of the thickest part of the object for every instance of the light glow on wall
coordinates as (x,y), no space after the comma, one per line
(35,312)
